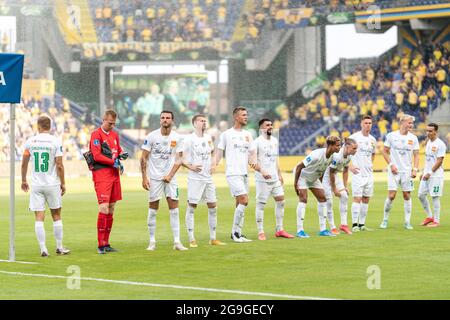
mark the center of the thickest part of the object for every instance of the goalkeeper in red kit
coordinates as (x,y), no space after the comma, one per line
(104,161)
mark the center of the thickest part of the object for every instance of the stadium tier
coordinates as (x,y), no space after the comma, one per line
(413,83)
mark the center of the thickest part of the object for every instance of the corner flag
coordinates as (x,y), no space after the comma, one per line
(11,70)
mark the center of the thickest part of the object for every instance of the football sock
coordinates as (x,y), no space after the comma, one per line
(40,234)
(175,224)
(436,208)
(190,222)
(109,223)
(151,223)
(58,232)
(343,207)
(364,210)
(301,210)
(322,212)
(407,204)
(238,217)
(425,204)
(356,210)
(279,214)
(259,212)
(212,221)
(101,229)
(330,214)
(387,208)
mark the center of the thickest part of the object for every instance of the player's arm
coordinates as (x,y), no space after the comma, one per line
(185,161)
(96,149)
(298,171)
(416,163)
(333,182)
(280,177)
(144,162)
(220,148)
(178,163)
(387,157)
(24,168)
(60,172)
(213,162)
(345,176)
(436,166)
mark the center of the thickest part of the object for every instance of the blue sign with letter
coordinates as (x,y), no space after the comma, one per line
(11,70)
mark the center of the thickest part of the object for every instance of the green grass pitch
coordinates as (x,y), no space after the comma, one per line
(413,264)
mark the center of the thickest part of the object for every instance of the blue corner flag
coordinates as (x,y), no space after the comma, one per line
(11,70)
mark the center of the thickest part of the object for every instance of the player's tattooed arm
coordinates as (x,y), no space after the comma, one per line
(144,161)
(25,159)
(185,162)
(436,166)
(60,171)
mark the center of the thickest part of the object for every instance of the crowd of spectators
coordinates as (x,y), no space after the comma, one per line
(158,21)
(413,83)
(268,12)
(74,135)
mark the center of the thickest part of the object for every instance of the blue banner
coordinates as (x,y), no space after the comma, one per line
(11,71)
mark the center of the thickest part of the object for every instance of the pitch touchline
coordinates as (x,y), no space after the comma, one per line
(20,262)
(145,284)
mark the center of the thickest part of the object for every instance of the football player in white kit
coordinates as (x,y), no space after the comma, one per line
(432,180)
(307,176)
(198,156)
(47,182)
(237,144)
(333,185)
(401,150)
(362,178)
(160,160)
(269,181)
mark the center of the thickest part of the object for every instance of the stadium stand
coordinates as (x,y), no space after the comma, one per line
(413,83)
(171,21)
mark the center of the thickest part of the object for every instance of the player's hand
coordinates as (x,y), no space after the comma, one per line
(254,166)
(354,170)
(146,184)
(281,180)
(336,192)
(25,187)
(266,176)
(196,167)
(63,189)
(296,190)
(413,173)
(212,170)
(167,179)
(123,156)
(394,169)
(425,177)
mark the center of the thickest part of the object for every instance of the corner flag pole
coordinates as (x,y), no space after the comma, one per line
(12,174)
(11,74)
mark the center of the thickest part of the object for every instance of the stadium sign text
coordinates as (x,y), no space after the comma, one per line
(2,79)
(98,50)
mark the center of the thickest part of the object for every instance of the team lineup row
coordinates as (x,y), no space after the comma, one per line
(164,151)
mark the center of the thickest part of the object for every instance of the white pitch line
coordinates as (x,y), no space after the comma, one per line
(21,262)
(145,284)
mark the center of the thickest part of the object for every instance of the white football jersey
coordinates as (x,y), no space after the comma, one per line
(237,145)
(163,150)
(315,164)
(338,163)
(363,156)
(44,148)
(434,150)
(267,155)
(401,149)
(198,151)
